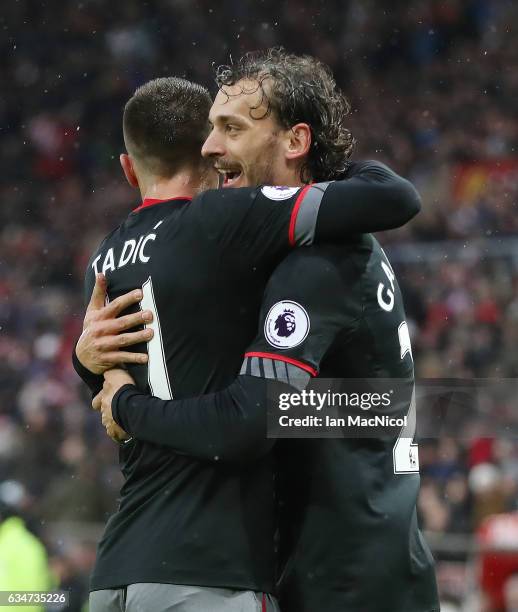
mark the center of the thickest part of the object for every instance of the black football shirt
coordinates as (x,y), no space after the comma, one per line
(349,533)
(202,266)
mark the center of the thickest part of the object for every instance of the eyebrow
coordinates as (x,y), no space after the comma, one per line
(227,119)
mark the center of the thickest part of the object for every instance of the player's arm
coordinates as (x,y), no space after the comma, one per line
(226,426)
(230,425)
(263,222)
(371,198)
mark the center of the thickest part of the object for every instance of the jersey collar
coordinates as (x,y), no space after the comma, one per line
(150,201)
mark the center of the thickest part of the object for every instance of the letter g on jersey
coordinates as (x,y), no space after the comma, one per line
(287,325)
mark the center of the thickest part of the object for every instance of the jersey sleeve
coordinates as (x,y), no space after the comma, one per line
(260,223)
(371,198)
(263,222)
(227,426)
(308,302)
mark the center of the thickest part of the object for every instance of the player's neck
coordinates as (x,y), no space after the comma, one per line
(289,176)
(183,184)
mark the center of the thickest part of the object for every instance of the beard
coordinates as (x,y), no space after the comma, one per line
(262,172)
(209,178)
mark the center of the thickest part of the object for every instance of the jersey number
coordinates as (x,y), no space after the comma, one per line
(158,376)
(405,452)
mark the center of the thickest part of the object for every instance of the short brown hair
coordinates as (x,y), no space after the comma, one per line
(165,124)
(300,89)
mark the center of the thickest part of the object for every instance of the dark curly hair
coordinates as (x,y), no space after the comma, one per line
(299,89)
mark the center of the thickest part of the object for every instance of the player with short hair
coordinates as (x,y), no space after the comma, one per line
(191,535)
(349,519)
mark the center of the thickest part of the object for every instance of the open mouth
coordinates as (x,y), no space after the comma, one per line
(230,176)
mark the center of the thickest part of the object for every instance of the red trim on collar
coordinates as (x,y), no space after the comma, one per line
(150,201)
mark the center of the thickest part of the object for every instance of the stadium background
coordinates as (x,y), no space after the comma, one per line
(433,86)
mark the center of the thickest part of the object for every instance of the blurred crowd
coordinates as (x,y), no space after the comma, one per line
(432,85)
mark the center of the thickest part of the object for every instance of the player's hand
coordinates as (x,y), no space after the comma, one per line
(100,344)
(116,433)
(96,402)
(113,381)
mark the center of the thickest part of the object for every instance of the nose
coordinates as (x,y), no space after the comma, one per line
(213,145)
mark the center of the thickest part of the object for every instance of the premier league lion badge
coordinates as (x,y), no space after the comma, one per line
(287,325)
(279,193)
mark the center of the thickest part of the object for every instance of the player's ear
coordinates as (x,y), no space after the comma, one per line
(298,141)
(128,169)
